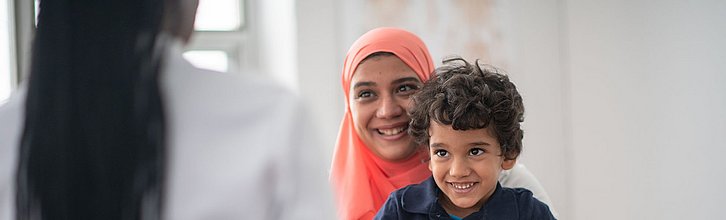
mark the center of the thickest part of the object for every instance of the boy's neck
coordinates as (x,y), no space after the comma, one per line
(458,211)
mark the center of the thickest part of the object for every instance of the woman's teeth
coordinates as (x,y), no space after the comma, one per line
(392,131)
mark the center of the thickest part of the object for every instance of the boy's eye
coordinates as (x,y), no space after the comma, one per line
(441,153)
(476,151)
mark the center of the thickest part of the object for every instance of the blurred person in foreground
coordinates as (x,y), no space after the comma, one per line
(115,124)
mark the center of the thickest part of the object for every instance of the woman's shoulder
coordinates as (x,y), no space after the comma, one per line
(11,119)
(193,94)
(227,90)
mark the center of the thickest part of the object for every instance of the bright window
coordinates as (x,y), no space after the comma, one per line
(36,11)
(208,59)
(219,15)
(221,41)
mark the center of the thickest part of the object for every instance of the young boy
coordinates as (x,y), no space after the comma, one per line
(469,116)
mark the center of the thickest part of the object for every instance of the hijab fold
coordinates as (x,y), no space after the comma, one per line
(361,180)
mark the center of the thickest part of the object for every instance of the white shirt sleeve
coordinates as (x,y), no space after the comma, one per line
(306,174)
(11,119)
(242,147)
(520,177)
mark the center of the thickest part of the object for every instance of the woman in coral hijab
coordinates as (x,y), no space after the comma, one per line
(374,155)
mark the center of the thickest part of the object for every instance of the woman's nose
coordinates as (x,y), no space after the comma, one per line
(389,108)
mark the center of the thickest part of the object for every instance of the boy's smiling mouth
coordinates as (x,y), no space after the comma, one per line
(462,187)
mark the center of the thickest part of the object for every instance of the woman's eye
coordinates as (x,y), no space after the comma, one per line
(476,151)
(364,94)
(441,153)
(407,88)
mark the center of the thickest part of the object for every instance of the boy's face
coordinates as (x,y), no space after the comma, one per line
(465,165)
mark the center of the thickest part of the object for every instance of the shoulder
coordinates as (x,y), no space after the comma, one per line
(202,97)
(528,206)
(391,209)
(414,201)
(419,198)
(193,87)
(231,129)
(181,79)
(11,120)
(11,114)
(520,177)
(11,124)
(393,206)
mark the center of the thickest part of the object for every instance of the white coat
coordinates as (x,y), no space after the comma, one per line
(240,148)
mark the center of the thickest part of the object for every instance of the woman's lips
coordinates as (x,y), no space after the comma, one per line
(393,133)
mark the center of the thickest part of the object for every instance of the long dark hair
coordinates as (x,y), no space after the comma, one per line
(93,144)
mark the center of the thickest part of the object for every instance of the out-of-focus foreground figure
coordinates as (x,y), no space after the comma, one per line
(115,124)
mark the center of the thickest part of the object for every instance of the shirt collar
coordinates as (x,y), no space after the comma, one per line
(423,199)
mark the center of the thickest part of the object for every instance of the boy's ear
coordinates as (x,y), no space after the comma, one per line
(430,166)
(508,164)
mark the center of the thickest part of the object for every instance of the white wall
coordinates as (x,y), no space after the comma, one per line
(647,95)
(535,66)
(277,33)
(625,99)
(320,61)
(297,47)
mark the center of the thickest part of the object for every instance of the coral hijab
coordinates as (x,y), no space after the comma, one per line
(362,181)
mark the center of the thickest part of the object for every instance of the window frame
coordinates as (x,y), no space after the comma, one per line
(238,44)
(22,30)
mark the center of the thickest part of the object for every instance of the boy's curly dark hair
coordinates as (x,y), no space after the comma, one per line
(468,97)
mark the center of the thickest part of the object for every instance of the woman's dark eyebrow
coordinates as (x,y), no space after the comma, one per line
(359,84)
(406,79)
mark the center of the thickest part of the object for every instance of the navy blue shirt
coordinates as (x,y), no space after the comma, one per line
(420,201)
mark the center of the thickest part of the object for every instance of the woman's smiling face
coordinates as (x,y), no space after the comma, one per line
(380,96)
